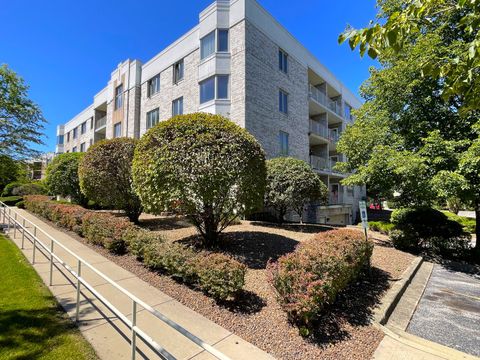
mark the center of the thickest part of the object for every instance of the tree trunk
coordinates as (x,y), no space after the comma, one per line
(210,226)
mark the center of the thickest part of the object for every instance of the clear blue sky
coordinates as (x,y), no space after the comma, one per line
(66,50)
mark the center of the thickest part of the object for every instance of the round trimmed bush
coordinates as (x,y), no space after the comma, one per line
(106,176)
(203,166)
(62,177)
(291,184)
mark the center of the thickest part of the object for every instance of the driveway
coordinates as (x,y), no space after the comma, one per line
(449,310)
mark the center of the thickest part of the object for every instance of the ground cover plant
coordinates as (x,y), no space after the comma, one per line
(383,227)
(32,325)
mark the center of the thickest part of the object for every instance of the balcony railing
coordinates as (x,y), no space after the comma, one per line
(100,123)
(322,98)
(323,164)
(319,129)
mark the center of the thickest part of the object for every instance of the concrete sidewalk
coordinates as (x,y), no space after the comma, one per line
(107,334)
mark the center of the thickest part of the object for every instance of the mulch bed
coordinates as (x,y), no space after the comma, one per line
(344,332)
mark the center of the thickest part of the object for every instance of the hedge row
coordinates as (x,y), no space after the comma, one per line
(218,275)
(310,278)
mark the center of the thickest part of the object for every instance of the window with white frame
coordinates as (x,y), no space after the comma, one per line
(177,107)
(75,132)
(83,128)
(283,61)
(68,137)
(222,40)
(153,85)
(283,142)
(82,147)
(283,101)
(215,87)
(178,71)
(207,45)
(152,118)
(118,97)
(117,130)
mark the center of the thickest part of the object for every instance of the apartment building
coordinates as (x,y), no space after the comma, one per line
(238,61)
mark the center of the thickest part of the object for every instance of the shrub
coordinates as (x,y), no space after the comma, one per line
(311,277)
(291,184)
(29,189)
(20,204)
(427,228)
(62,177)
(383,227)
(468,224)
(203,166)
(219,275)
(8,190)
(106,176)
(11,200)
(106,230)
(138,241)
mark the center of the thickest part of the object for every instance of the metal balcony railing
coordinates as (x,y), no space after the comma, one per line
(101,123)
(318,129)
(323,99)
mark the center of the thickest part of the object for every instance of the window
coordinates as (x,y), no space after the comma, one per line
(60,140)
(283,138)
(74,149)
(82,147)
(154,85)
(119,97)
(283,61)
(207,90)
(350,191)
(68,136)
(222,87)
(152,118)
(348,112)
(283,102)
(216,87)
(91,123)
(207,45)
(177,107)
(178,71)
(117,130)
(75,133)
(83,128)
(222,40)
(91,142)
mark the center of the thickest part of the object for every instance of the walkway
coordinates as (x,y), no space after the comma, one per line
(108,335)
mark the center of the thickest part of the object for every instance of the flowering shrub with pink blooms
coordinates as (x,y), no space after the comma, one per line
(311,277)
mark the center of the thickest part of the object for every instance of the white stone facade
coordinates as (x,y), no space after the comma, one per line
(307,127)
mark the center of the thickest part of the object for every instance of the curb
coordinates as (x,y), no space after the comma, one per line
(393,296)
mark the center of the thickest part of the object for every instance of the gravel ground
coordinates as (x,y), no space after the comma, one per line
(344,332)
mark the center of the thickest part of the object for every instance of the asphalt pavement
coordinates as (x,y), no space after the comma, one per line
(449,310)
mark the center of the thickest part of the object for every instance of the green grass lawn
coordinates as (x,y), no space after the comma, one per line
(32,324)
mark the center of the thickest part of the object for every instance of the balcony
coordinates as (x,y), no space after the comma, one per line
(100,123)
(323,164)
(323,131)
(322,99)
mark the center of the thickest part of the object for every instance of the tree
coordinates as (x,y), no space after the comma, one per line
(203,166)
(455,23)
(8,170)
(425,146)
(21,120)
(291,184)
(62,177)
(106,176)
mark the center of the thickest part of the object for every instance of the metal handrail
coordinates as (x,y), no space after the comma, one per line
(131,324)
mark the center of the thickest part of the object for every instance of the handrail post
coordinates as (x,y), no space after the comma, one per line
(51,262)
(34,243)
(23,234)
(9,220)
(79,274)
(15,226)
(134,334)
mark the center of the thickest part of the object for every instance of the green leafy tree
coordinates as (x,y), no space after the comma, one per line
(427,121)
(62,177)
(291,184)
(203,166)
(451,25)
(106,176)
(21,120)
(9,171)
